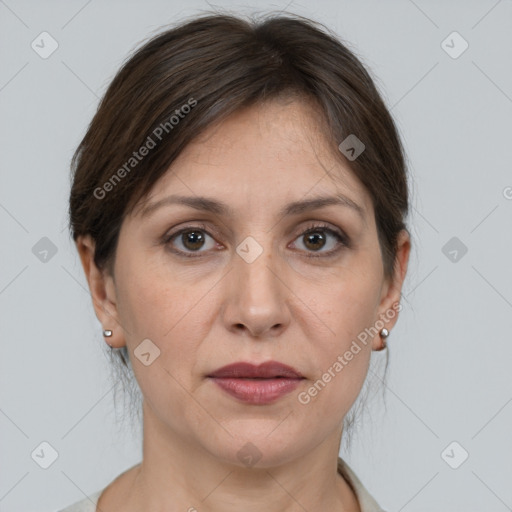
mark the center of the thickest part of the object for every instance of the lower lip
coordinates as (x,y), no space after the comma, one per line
(257,391)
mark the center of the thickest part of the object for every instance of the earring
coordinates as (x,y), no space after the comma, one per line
(107,333)
(384,333)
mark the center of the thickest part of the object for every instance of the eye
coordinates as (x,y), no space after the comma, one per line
(316,237)
(192,239)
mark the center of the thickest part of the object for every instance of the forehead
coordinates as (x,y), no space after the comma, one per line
(268,153)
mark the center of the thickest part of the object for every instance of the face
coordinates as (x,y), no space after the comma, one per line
(252,284)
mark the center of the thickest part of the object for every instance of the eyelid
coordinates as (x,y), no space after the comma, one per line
(343,241)
(198,225)
(195,226)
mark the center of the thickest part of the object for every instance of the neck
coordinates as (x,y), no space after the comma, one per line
(177,471)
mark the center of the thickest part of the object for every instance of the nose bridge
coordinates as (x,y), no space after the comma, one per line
(254,265)
(257,298)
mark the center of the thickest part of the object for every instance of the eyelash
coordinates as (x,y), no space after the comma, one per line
(313,228)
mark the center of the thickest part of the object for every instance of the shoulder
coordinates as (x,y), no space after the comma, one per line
(86,505)
(367,502)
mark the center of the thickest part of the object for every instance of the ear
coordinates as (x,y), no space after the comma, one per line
(103,291)
(391,291)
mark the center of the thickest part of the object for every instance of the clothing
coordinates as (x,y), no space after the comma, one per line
(86,505)
(366,501)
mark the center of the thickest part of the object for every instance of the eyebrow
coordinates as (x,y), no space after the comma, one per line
(212,205)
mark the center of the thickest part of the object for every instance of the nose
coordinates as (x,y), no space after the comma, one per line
(256,297)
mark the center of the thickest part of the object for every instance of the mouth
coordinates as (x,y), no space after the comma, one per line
(257,384)
(267,370)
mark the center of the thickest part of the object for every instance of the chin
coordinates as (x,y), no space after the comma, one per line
(258,447)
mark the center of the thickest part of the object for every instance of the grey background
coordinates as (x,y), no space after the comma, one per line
(449,376)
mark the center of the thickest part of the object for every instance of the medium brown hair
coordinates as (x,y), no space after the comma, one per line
(217,64)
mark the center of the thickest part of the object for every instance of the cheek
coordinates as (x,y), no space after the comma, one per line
(142,299)
(151,303)
(340,370)
(347,306)
(342,353)
(153,309)
(156,307)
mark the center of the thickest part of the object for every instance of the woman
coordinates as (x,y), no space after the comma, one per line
(238,204)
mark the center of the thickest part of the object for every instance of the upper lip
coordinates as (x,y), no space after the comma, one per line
(266,370)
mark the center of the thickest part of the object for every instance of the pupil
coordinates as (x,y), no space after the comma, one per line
(192,238)
(314,237)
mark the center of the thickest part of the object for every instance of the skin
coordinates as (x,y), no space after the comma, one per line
(208,311)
